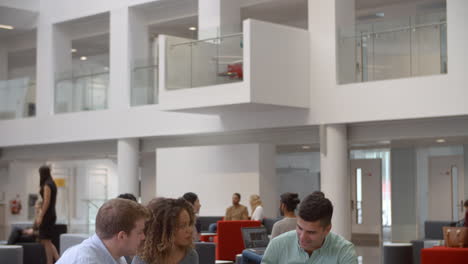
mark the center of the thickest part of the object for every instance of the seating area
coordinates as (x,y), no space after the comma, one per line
(31,252)
(228,243)
(432,236)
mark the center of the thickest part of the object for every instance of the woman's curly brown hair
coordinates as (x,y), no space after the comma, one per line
(160,229)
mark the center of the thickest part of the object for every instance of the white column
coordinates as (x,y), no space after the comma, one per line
(218,17)
(45,68)
(3,63)
(334,176)
(128,165)
(119,88)
(268,185)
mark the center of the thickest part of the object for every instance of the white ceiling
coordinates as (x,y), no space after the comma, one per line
(290,12)
(21,20)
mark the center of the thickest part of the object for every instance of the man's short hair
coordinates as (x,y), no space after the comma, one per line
(315,207)
(128,196)
(466,203)
(238,195)
(118,215)
(190,197)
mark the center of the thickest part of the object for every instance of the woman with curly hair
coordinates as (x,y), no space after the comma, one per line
(168,234)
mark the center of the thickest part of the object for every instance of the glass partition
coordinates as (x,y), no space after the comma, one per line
(14,96)
(144,82)
(210,61)
(396,48)
(84,90)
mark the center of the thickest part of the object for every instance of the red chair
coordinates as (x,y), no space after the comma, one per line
(229,240)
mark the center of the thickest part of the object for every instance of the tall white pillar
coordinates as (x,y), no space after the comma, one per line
(45,67)
(268,180)
(218,17)
(334,176)
(127,165)
(119,92)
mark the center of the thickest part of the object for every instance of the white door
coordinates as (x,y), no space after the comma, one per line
(446,188)
(366,200)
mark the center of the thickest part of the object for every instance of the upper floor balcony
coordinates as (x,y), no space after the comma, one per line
(263,68)
(393,48)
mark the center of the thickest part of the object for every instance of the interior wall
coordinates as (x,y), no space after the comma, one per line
(23,179)
(212,172)
(298,173)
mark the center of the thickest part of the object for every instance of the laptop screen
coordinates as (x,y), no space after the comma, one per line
(255,237)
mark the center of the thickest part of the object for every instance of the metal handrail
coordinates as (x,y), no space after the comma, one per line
(74,77)
(407,28)
(202,40)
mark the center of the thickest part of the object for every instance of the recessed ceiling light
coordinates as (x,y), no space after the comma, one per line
(192,28)
(380,14)
(440,140)
(6,27)
(305,147)
(83,58)
(73,50)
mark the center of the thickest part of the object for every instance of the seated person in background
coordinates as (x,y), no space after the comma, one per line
(257,208)
(120,226)
(26,235)
(288,204)
(192,198)
(128,196)
(464,221)
(168,233)
(312,241)
(237,211)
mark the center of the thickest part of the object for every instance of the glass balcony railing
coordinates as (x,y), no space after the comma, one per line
(144,89)
(81,90)
(17,98)
(211,61)
(398,48)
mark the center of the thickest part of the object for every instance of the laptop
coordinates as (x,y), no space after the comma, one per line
(255,239)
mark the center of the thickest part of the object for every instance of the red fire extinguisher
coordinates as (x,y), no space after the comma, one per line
(15,205)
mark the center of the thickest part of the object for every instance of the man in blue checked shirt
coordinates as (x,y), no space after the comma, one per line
(312,241)
(120,225)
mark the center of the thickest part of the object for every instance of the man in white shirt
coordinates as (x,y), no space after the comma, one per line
(120,225)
